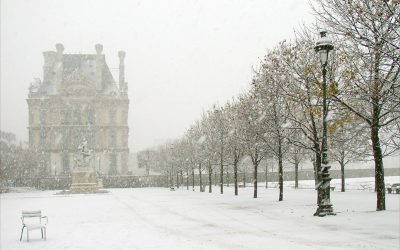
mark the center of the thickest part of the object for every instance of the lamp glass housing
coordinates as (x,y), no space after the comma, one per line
(323,47)
(323,56)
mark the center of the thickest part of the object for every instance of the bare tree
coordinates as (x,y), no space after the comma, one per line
(296,155)
(303,93)
(216,126)
(349,142)
(252,134)
(234,142)
(268,89)
(210,144)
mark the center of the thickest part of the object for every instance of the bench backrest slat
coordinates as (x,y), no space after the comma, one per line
(36,213)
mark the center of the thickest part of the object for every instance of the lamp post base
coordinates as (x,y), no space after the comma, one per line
(324,210)
(324,196)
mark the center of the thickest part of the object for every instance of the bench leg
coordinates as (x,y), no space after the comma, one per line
(27,234)
(22,231)
(41,230)
(44,230)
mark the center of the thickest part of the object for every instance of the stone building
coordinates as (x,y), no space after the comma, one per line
(78,98)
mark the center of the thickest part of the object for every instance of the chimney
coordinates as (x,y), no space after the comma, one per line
(99,66)
(58,67)
(60,49)
(48,66)
(122,84)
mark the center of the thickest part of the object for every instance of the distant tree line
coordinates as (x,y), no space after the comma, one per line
(279,119)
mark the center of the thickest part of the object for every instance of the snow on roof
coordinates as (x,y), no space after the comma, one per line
(75,67)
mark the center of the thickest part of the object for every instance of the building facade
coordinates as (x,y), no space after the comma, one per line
(78,99)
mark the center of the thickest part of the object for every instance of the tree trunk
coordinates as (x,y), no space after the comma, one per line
(181,172)
(166,179)
(342,176)
(379,170)
(221,181)
(235,177)
(187,178)
(192,178)
(376,146)
(266,176)
(209,178)
(215,178)
(296,174)
(177,179)
(244,178)
(280,170)
(227,177)
(255,164)
(200,180)
(315,171)
(171,178)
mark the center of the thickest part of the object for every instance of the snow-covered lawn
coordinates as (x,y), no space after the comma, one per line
(156,218)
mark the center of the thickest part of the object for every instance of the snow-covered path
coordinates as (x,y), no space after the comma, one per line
(156,218)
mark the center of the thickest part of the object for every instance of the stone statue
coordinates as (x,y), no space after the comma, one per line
(84,179)
(83,159)
(83,148)
(35,85)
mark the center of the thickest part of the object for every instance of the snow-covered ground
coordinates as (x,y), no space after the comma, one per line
(156,218)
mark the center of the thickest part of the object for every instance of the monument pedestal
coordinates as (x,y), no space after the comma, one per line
(84,178)
(84,181)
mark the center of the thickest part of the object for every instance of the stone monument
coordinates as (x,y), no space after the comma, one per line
(84,178)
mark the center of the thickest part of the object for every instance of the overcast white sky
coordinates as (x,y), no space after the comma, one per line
(183,56)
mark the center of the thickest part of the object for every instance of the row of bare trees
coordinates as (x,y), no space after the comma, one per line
(17,161)
(280,117)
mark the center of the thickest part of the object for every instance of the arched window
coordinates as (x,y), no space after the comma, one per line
(42,116)
(113,164)
(43,137)
(112,116)
(113,138)
(90,115)
(65,116)
(65,163)
(65,139)
(77,116)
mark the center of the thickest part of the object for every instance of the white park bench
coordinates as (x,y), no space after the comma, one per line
(33,220)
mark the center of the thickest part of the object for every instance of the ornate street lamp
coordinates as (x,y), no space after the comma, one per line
(323,47)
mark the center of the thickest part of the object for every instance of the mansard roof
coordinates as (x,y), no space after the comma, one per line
(63,72)
(86,65)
